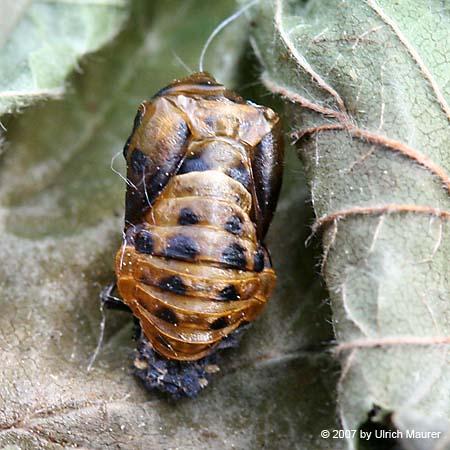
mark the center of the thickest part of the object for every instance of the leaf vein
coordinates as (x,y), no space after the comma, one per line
(392,341)
(301,61)
(414,54)
(376,210)
(32,93)
(347,124)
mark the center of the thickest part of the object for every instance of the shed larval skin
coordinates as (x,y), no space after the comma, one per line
(204,169)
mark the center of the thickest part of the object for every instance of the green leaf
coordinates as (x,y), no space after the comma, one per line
(42,41)
(61,221)
(366,84)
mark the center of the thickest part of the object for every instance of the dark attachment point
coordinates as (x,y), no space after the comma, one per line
(179,379)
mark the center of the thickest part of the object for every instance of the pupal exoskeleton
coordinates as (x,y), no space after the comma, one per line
(204,170)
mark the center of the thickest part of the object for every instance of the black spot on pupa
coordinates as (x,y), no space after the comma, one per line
(234,255)
(187,217)
(241,174)
(144,242)
(167,315)
(219,324)
(182,247)
(258,260)
(228,293)
(139,162)
(234,225)
(194,163)
(172,284)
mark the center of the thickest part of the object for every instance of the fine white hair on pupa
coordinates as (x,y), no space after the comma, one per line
(106,293)
(220,27)
(144,184)
(182,63)
(127,181)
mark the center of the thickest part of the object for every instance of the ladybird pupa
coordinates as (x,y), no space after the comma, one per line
(204,169)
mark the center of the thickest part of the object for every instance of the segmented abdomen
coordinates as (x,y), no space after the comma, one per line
(193,271)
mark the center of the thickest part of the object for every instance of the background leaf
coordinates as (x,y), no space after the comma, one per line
(41,41)
(61,221)
(368,99)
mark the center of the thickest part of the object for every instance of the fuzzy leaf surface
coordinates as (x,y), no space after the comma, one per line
(367,91)
(42,41)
